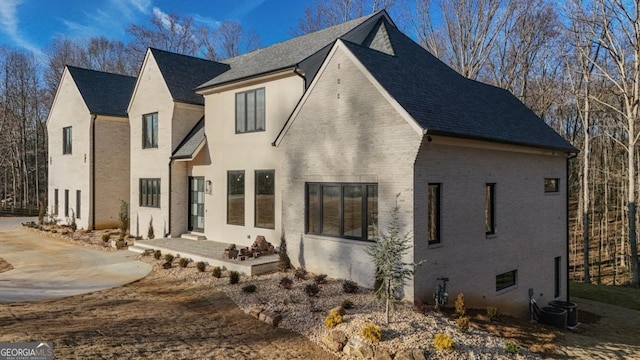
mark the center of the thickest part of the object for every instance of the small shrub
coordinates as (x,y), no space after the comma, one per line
(372,333)
(54,231)
(183,262)
(72,223)
(311,289)
(349,287)
(87,231)
(286,282)
(157,254)
(150,232)
(106,237)
(511,348)
(42,211)
(168,258)
(216,272)
(249,288)
(301,274)
(347,304)
(443,341)
(320,279)
(284,263)
(234,277)
(201,266)
(123,217)
(493,313)
(460,308)
(334,318)
(463,323)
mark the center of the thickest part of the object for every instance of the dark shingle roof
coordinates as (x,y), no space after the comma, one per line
(293,51)
(445,103)
(191,143)
(183,73)
(103,93)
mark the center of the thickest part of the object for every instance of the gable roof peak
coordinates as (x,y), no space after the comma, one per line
(104,93)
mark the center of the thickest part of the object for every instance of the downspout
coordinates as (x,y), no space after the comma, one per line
(571,156)
(93,172)
(168,234)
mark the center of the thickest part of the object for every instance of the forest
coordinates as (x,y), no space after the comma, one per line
(576,63)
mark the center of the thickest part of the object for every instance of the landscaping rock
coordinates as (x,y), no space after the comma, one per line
(382,355)
(358,349)
(271,318)
(255,312)
(335,340)
(413,354)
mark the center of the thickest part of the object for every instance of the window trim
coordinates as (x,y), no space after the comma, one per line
(553,190)
(154,116)
(78,203)
(150,184)
(491,221)
(438,214)
(319,211)
(255,199)
(255,111)
(244,197)
(67,140)
(510,285)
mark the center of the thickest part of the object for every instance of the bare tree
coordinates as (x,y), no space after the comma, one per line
(167,32)
(229,40)
(325,13)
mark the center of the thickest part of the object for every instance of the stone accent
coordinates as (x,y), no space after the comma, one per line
(255,312)
(358,349)
(382,355)
(335,340)
(270,317)
(413,354)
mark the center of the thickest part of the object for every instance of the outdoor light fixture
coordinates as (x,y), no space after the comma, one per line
(208,187)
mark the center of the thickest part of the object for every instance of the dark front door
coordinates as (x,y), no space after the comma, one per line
(196,203)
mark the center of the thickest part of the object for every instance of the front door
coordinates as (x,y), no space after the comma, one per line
(196,203)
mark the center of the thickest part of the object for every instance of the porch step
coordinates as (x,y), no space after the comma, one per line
(137,249)
(192,236)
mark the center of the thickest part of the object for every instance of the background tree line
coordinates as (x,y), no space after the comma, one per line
(575,63)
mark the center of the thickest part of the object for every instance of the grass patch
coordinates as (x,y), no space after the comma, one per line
(624,296)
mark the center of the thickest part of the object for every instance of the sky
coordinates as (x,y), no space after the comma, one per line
(32,24)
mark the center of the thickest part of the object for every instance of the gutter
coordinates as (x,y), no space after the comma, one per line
(571,156)
(93,172)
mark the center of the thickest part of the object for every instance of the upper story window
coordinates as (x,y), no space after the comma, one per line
(551,185)
(250,111)
(490,209)
(66,140)
(150,131)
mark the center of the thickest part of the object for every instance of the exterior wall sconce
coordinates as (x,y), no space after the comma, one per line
(208,187)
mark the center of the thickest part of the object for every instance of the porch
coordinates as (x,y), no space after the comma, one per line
(209,252)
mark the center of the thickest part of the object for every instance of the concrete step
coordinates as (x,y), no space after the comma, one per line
(193,236)
(137,249)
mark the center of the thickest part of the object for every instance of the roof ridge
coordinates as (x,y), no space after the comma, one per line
(98,71)
(152,49)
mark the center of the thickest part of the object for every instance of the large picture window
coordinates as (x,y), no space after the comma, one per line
(265,206)
(344,210)
(490,208)
(235,197)
(66,140)
(150,131)
(250,109)
(433,215)
(150,192)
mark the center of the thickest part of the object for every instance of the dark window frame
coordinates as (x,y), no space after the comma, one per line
(66,202)
(438,212)
(501,284)
(557,273)
(78,203)
(551,185)
(490,209)
(67,140)
(244,196)
(272,173)
(56,203)
(259,117)
(150,192)
(153,143)
(365,213)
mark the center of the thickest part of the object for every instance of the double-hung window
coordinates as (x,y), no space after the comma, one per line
(150,192)
(150,131)
(250,111)
(66,140)
(433,213)
(348,210)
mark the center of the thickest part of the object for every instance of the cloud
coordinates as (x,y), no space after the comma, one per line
(110,19)
(9,21)
(142,5)
(246,8)
(211,22)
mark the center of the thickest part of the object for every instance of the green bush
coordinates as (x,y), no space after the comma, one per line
(234,277)
(349,287)
(216,272)
(334,318)
(347,304)
(372,333)
(463,323)
(183,262)
(157,254)
(511,348)
(320,279)
(106,237)
(312,289)
(249,288)
(201,266)
(443,341)
(493,313)
(168,258)
(286,282)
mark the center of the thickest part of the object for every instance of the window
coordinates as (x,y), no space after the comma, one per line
(150,131)
(265,205)
(490,209)
(250,111)
(556,276)
(55,202)
(66,203)
(433,215)
(78,204)
(235,197)
(506,280)
(551,185)
(343,210)
(66,140)
(150,192)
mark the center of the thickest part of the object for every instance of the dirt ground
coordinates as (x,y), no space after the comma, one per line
(155,318)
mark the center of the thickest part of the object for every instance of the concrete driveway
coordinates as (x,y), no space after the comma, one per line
(44,267)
